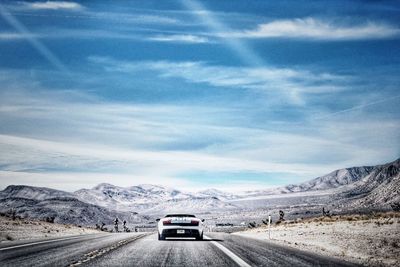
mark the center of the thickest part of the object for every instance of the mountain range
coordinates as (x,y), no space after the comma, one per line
(374,187)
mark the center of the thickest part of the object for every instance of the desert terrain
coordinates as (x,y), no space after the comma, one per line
(370,240)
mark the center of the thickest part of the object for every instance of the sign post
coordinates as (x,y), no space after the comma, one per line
(269,226)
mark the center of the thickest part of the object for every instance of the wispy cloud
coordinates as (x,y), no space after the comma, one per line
(10,36)
(71,134)
(215,25)
(180,38)
(312,28)
(53,5)
(290,82)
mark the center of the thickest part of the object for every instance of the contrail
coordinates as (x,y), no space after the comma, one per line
(246,54)
(356,107)
(39,46)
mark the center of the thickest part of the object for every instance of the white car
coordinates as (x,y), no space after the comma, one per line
(180,225)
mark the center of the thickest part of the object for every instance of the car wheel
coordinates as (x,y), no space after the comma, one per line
(161,237)
(199,237)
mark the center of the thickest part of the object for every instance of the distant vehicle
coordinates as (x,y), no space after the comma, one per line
(180,225)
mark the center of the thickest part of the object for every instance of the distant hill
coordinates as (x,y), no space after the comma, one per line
(217,193)
(41,203)
(371,187)
(111,196)
(152,198)
(334,179)
(338,179)
(32,192)
(378,189)
(367,188)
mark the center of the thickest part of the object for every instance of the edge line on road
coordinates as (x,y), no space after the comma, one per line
(41,242)
(229,253)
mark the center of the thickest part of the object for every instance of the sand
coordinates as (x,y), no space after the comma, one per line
(23,229)
(369,240)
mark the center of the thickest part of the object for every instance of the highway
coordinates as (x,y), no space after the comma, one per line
(143,249)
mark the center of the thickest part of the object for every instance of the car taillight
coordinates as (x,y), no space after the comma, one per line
(193,222)
(166,222)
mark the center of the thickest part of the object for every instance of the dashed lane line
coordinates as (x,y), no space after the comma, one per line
(99,252)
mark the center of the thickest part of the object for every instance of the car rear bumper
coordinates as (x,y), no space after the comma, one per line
(174,233)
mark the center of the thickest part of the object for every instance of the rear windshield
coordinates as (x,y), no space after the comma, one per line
(180,215)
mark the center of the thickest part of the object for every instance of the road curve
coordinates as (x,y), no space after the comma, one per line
(134,249)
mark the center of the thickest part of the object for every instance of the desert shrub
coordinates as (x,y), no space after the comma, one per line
(281,215)
(395,206)
(12,214)
(252,224)
(326,213)
(9,237)
(50,219)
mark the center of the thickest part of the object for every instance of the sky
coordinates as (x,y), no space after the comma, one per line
(233,95)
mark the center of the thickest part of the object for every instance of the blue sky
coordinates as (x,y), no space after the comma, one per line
(194,94)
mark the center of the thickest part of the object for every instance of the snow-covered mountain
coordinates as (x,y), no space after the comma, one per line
(221,195)
(41,203)
(191,205)
(371,188)
(334,179)
(127,198)
(65,210)
(148,198)
(32,192)
(359,187)
(380,188)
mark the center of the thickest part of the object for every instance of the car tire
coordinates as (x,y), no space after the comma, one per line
(161,237)
(199,237)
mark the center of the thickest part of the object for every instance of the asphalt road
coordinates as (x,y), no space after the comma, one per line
(137,249)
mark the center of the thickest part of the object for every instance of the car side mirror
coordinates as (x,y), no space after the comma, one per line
(202,220)
(157,220)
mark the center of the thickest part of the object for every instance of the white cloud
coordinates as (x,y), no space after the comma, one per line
(290,83)
(54,5)
(311,28)
(70,137)
(9,36)
(180,38)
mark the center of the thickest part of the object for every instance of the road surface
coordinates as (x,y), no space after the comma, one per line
(139,249)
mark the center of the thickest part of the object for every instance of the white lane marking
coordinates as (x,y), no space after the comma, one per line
(229,253)
(99,252)
(40,242)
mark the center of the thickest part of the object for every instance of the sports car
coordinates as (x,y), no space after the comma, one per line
(180,225)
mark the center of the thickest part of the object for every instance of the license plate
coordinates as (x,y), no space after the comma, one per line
(180,231)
